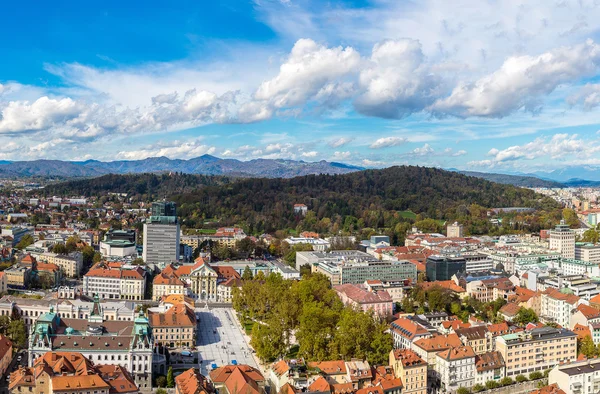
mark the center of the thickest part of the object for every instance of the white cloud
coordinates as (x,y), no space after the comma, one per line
(372,163)
(341,155)
(336,143)
(396,82)
(20,116)
(310,154)
(521,82)
(588,97)
(461,152)
(175,149)
(386,142)
(423,151)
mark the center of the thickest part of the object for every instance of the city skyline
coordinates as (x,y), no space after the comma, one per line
(495,87)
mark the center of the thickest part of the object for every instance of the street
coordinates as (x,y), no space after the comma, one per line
(14,364)
(220,340)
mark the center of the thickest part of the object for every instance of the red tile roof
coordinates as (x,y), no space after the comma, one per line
(360,295)
(511,309)
(439,342)
(408,357)
(588,311)
(550,389)
(457,353)
(408,328)
(192,382)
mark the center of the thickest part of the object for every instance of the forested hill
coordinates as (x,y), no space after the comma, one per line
(367,198)
(517,180)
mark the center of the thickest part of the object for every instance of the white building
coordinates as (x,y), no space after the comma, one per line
(562,239)
(456,368)
(557,307)
(489,366)
(455,230)
(161,242)
(587,252)
(114,284)
(317,244)
(580,377)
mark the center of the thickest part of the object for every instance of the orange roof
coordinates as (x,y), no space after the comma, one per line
(192,382)
(336,367)
(595,299)
(511,309)
(498,329)
(47,267)
(320,385)
(455,324)
(162,279)
(446,284)
(226,272)
(280,367)
(457,353)
(588,311)
(439,342)
(238,378)
(408,357)
(343,388)
(550,389)
(557,295)
(408,328)
(118,378)
(287,389)
(5,346)
(78,383)
(104,273)
(179,315)
(369,390)
(582,331)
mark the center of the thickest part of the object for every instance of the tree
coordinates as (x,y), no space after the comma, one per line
(71,244)
(59,248)
(491,384)
(591,235)
(247,274)
(17,333)
(170,378)
(160,390)
(463,390)
(521,378)
(245,246)
(161,381)
(506,381)
(97,258)
(88,255)
(138,261)
(25,241)
(525,315)
(587,347)
(536,375)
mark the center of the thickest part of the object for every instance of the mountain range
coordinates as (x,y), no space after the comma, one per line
(206,165)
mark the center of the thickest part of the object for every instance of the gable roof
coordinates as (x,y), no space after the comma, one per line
(439,342)
(457,353)
(588,311)
(408,328)
(511,309)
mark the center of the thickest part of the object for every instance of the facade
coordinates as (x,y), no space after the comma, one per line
(288,372)
(455,230)
(411,368)
(579,377)
(587,252)
(163,285)
(176,327)
(161,234)
(444,268)
(225,289)
(380,302)
(405,332)
(456,368)
(6,354)
(428,348)
(115,283)
(536,350)
(562,239)
(556,306)
(489,366)
(70,264)
(128,344)
(17,277)
(478,338)
(340,273)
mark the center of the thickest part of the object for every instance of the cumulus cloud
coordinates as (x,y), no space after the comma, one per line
(588,97)
(341,155)
(20,116)
(310,154)
(175,149)
(556,147)
(521,82)
(386,142)
(396,82)
(423,151)
(336,143)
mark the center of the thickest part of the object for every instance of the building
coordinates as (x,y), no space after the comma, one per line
(235,379)
(396,289)
(71,373)
(225,289)
(115,283)
(405,332)
(509,311)
(300,209)
(455,230)
(380,302)
(411,368)
(489,366)
(70,264)
(161,234)
(536,350)
(456,368)
(562,239)
(119,243)
(556,306)
(444,268)
(344,272)
(6,354)
(580,377)
(17,277)
(176,327)
(192,382)
(479,338)
(165,284)
(317,244)
(428,348)
(128,344)
(587,252)
(48,275)
(288,372)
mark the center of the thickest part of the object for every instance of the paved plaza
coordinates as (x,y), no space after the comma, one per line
(220,339)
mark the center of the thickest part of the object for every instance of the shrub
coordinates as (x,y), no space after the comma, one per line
(536,375)
(478,387)
(491,384)
(463,390)
(521,378)
(506,381)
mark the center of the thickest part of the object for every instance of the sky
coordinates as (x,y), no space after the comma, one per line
(482,85)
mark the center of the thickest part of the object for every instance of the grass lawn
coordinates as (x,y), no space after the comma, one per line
(206,231)
(408,214)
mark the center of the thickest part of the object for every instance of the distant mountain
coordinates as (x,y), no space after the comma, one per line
(516,180)
(206,165)
(588,173)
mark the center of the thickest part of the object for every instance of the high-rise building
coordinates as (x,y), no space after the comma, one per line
(562,239)
(161,234)
(454,230)
(443,268)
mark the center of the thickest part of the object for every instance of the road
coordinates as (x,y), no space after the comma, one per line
(220,339)
(14,364)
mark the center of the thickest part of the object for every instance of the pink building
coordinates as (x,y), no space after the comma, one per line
(378,301)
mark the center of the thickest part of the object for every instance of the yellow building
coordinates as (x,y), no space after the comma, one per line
(411,368)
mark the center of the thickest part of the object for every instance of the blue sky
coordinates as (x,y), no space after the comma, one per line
(479,85)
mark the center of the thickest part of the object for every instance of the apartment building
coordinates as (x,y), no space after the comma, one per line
(17,277)
(587,252)
(115,283)
(411,368)
(489,366)
(536,350)
(456,368)
(343,272)
(288,372)
(562,240)
(174,328)
(70,264)
(164,284)
(487,290)
(556,307)
(405,332)
(428,348)
(580,377)
(233,379)
(380,302)
(479,338)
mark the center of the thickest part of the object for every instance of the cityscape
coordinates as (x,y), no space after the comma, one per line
(300,196)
